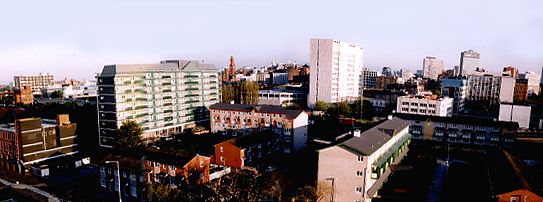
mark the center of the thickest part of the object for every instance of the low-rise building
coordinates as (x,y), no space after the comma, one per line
(462,130)
(254,150)
(33,140)
(425,105)
(290,125)
(384,81)
(282,98)
(382,100)
(356,168)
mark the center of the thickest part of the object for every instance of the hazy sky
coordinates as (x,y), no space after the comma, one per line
(76,38)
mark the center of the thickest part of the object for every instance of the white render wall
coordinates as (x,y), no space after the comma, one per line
(335,71)
(300,131)
(515,113)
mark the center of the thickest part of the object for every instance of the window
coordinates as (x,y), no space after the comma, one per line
(201,163)
(149,163)
(358,189)
(222,158)
(222,149)
(172,167)
(359,173)
(124,174)
(360,158)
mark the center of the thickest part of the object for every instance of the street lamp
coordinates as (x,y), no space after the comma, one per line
(118,177)
(332,179)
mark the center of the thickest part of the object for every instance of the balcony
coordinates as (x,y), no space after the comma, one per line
(191,82)
(191,89)
(190,76)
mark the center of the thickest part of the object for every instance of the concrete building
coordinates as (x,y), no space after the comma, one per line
(520,92)
(462,130)
(278,78)
(515,113)
(533,82)
(512,71)
(356,168)
(254,150)
(382,100)
(425,105)
(282,98)
(368,79)
(23,95)
(33,140)
(494,88)
(383,82)
(456,88)
(387,71)
(432,67)
(469,62)
(289,125)
(36,82)
(162,98)
(335,71)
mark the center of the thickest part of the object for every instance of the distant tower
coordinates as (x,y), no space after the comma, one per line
(469,62)
(232,68)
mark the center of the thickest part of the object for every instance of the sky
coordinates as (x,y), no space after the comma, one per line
(75,39)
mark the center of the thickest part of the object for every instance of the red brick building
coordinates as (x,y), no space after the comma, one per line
(253,150)
(177,169)
(511,180)
(521,91)
(24,95)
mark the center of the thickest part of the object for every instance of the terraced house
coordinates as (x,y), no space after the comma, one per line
(289,125)
(163,98)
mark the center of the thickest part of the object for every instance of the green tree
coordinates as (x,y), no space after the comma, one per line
(356,108)
(321,106)
(57,94)
(249,92)
(129,137)
(344,109)
(228,93)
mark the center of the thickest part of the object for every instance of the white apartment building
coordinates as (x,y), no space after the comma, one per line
(425,105)
(162,98)
(432,67)
(356,168)
(469,62)
(533,82)
(335,71)
(36,82)
(495,88)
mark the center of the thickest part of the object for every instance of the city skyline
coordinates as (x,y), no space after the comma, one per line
(55,37)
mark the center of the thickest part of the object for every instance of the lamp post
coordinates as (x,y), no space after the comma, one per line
(332,179)
(118,177)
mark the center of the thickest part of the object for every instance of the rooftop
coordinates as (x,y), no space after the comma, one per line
(169,158)
(166,65)
(372,139)
(252,139)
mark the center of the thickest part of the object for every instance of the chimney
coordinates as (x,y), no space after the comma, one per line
(356,133)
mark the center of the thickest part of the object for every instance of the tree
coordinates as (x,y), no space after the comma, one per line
(344,109)
(57,94)
(228,93)
(321,106)
(129,137)
(356,108)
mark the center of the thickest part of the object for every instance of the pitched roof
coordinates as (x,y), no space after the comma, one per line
(372,139)
(509,174)
(252,139)
(257,108)
(169,158)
